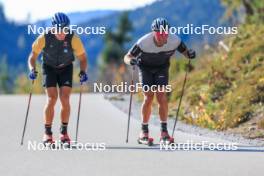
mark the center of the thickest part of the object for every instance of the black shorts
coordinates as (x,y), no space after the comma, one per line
(157,77)
(53,76)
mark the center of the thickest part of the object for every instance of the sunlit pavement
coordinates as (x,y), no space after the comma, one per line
(103,124)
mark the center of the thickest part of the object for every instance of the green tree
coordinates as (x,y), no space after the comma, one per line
(254,9)
(114,50)
(112,67)
(5,80)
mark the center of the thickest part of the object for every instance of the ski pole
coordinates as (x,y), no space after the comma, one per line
(182,92)
(130,104)
(78,115)
(26,118)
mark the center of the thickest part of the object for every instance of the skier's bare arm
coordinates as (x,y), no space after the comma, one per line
(32,60)
(83,62)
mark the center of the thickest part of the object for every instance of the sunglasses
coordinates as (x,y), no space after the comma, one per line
(159,34)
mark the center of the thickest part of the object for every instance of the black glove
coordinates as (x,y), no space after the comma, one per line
(191,54)
(135,61)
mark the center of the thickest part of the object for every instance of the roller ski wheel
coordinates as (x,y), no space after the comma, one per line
(166,139)
(48,141)
(65,140)
(145,139)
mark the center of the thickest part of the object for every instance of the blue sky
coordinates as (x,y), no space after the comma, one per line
(21,10)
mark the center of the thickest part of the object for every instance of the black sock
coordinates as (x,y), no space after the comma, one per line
(163,126)
(63,128)
(144,128)
(48,129)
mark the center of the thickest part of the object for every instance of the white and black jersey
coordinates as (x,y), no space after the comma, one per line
(152,56)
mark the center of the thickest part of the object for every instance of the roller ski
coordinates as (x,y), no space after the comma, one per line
(65,140)
(48,141)
(145,139)
(166,139)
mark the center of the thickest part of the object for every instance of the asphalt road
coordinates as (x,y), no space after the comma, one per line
(103,124)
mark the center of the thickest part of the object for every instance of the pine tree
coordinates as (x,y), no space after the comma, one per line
(4,76)
(114,50)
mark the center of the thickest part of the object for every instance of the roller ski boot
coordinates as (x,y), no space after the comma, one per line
(145,139)
(48,140)
(65,140)
(166,139)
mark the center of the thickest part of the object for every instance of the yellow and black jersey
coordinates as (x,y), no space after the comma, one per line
(58,53)
(76,44)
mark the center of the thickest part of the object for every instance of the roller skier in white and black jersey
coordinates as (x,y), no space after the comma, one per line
(152,54)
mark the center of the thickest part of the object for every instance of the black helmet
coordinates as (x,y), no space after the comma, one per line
(60,20)
(158,22)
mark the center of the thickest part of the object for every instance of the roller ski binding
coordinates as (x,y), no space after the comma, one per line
(65,140)
(145,139)
(166,139)
(48,141)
